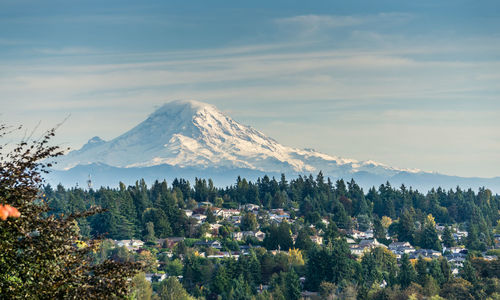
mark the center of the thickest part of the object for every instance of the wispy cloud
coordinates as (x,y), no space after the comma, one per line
(350,78)
(312,23)
(309,24)
(65,51)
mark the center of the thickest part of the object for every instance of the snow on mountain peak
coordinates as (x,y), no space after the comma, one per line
(189,133)
(182,108)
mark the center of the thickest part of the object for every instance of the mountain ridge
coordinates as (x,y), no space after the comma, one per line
(191,133)
(195,138)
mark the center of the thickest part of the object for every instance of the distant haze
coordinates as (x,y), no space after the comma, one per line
(188,139)
(407,84)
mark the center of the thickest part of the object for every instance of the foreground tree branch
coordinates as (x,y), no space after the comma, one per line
(42,255)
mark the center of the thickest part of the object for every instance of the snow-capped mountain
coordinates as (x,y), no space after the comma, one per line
(192,139)
(196,134)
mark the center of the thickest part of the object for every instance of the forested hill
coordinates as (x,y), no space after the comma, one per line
(308,199)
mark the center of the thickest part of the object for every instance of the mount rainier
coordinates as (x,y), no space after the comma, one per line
(194,139)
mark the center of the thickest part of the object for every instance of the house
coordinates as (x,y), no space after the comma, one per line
(317,239)
(279,216)
(131,245)
(401,248)
(156,277)
(226,213)
(365,245)
(398,245)
(425,253)
(455,250)
(440,227)
(350,241)
(490,257)
(199,217)
(235,219)
(213,244)
(188,212)
(234,255)
(255,234)
(241,235)
(259,235)
(361,235)
(251,207)
(456,259)
(237,235)
(459,235)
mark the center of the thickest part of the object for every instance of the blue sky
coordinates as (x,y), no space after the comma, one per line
(410,84)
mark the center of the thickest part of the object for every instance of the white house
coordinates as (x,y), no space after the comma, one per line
(156,277)
(131,245)
(365,245)
(317,239)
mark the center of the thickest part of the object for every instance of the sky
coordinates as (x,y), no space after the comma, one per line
(412,84)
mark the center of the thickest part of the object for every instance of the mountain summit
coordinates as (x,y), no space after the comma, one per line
(193,139)
(189,133)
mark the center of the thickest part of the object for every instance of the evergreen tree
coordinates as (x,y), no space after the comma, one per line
(445,269)
(150,233)
(407,273)
(303,240)
(447,237)
(211,219)
(221,281)
(378,229)
(240,290)
(421,268)
(160,221)
(428,237)
(249,222)
(292,284)
(468,272)
(171,289)
(254,269)
(142,288)
(406,227)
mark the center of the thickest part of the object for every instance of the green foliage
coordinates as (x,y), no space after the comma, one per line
(174,267)
(142,289)
(279,236)
(292,285)
(249,222)
(448,240)
(171,289)
(144,212)
(333,263)
(303,240)
(407,273)
(428,237)
(327,290)
(378,265)
(41,254)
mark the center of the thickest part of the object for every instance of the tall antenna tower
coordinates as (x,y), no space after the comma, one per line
(89,182)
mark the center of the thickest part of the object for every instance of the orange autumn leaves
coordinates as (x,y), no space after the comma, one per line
(8,211)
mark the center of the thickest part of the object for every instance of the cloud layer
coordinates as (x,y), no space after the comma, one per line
(377,85)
